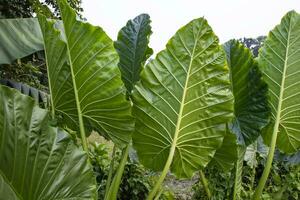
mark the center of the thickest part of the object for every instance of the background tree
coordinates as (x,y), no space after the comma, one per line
(31,69)
(27,8)
(253,43)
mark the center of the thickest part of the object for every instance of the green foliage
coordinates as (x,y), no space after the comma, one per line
(279,64)
(20,38)
(251,109)
(283,183)
(278,60)
(27,8)
(220,185)
(183,106)
(38,160)
(133,50)
(189,76)
(84,79)
(226,156)
(15,8)
(30,70)
(99,158)
(135,184)
(169,117)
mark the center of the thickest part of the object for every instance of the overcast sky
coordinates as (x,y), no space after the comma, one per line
(228,18)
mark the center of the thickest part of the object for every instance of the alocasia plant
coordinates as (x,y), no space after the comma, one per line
(84,79)
(279,60)
(182,103)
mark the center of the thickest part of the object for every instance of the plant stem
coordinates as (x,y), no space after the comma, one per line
(252,178)
(253,169)
(264,177)
(78,106)
(111,169)
(205,184)
(238,173)
(158,194)
(114,186)
(163,173)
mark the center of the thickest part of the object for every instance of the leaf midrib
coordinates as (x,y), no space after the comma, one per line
(78,106)
(178,124)
(280,99)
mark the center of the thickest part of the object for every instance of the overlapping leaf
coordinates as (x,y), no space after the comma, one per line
(251,112)
(183,101)
(250,93)
(38,161)
(279,60)
(226,156)
(19,38)
(132,47)
(84,77)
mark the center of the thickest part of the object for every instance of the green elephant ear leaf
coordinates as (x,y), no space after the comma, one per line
(19,38)
(85,82)
(132,47)
(183,102)
(279,61)
(251,109)
(251,112)
(37,160)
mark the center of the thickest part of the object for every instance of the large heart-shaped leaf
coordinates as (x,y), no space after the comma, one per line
(37,160)
(251,112)
(132,47)
(279,60)
(19,38)
(250,93)
(85,82)
(183,102)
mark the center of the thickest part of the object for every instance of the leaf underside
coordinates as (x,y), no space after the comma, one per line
(183,99)
(19,38)
(86,54)
(279,61)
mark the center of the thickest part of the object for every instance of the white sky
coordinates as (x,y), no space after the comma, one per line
(228,18)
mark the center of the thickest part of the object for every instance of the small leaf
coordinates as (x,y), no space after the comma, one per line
(132,47)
